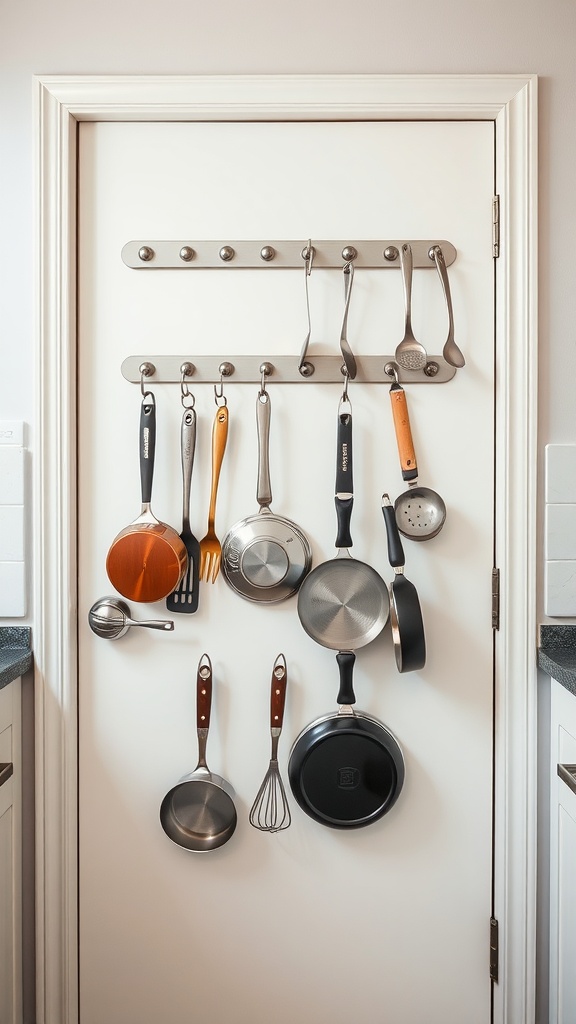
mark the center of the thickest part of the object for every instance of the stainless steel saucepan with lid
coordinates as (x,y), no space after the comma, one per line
(265,557)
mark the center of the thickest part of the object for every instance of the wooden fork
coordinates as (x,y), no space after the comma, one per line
(210,547)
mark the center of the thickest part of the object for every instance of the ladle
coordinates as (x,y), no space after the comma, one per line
(451,351)
(420,511)
(110,618)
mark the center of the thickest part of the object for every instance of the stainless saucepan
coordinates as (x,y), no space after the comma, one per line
(199,813)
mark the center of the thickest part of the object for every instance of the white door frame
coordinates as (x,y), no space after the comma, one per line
(510,101)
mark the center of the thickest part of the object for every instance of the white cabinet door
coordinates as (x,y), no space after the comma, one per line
(390,922)
(562,858)
(10,857)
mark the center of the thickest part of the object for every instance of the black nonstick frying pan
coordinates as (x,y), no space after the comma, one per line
(405,611)
(346,770)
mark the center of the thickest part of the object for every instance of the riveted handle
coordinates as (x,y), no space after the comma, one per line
(278,692)
(203,693)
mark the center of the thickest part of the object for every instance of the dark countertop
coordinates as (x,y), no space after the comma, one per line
(557,654)
(15,652)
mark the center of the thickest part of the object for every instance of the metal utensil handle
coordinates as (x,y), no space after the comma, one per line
(278,693)
(346,661)
(395,549)
(344,498)
(403,432)
(407,265)
(187,449)
(147,445)
(219,438)
(264,489)
(167,625)
(443,273)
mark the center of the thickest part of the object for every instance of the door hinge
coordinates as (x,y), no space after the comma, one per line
(495,598)
(493,949)
(496,226)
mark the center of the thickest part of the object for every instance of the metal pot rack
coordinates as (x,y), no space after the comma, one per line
(246,369)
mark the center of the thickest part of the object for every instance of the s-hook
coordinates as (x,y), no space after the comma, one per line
(306,368)
(347,354)
(225,370)
(186,397)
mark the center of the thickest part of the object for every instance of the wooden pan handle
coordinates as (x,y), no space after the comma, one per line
(278,692)
(403,433)
(203,692)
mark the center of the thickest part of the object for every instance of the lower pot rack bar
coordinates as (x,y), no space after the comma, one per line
(247,369)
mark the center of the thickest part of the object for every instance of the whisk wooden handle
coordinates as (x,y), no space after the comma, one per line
(278,692)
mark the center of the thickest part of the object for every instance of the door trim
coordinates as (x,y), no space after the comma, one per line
(510,101)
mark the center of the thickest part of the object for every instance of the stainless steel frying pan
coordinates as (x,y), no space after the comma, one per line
(343,603)
(266,556)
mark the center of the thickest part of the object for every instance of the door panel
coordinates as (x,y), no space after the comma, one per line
(388,922)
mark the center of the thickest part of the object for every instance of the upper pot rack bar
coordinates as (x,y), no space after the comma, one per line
(212,255)
(253,369)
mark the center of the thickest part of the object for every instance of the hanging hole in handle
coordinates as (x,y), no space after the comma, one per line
(186,397)
(265,371)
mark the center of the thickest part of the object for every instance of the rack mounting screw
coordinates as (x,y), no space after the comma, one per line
(187,253)
(431,369)
(391,253)
(145,253)
(226,253)
(267,253)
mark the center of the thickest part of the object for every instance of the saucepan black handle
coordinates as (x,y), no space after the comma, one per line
(147,445)
(344,499)
(346,661)
(395,549)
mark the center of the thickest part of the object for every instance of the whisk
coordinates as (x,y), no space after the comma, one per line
(270,811)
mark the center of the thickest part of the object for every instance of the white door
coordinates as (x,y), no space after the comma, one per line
(389,922)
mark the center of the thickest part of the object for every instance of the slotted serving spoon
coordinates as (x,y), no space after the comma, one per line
(185,597)
(410,353)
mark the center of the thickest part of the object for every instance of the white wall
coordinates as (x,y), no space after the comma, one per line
(304,36)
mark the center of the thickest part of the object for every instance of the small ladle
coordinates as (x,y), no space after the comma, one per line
(420,511)
(110,619)
(451,351)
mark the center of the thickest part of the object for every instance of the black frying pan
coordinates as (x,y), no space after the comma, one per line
(405,612)
(346,770)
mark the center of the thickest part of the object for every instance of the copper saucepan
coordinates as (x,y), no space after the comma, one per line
(147,559)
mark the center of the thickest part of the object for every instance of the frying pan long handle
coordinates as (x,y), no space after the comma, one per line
(395,549)
(147,445)
(344,498)
(264,489)
(403,433)
(346,660)
(278,692)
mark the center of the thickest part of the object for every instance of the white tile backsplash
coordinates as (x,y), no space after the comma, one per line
(11,533)
(560,473)
(12,589)
(11,475)
(560,531)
